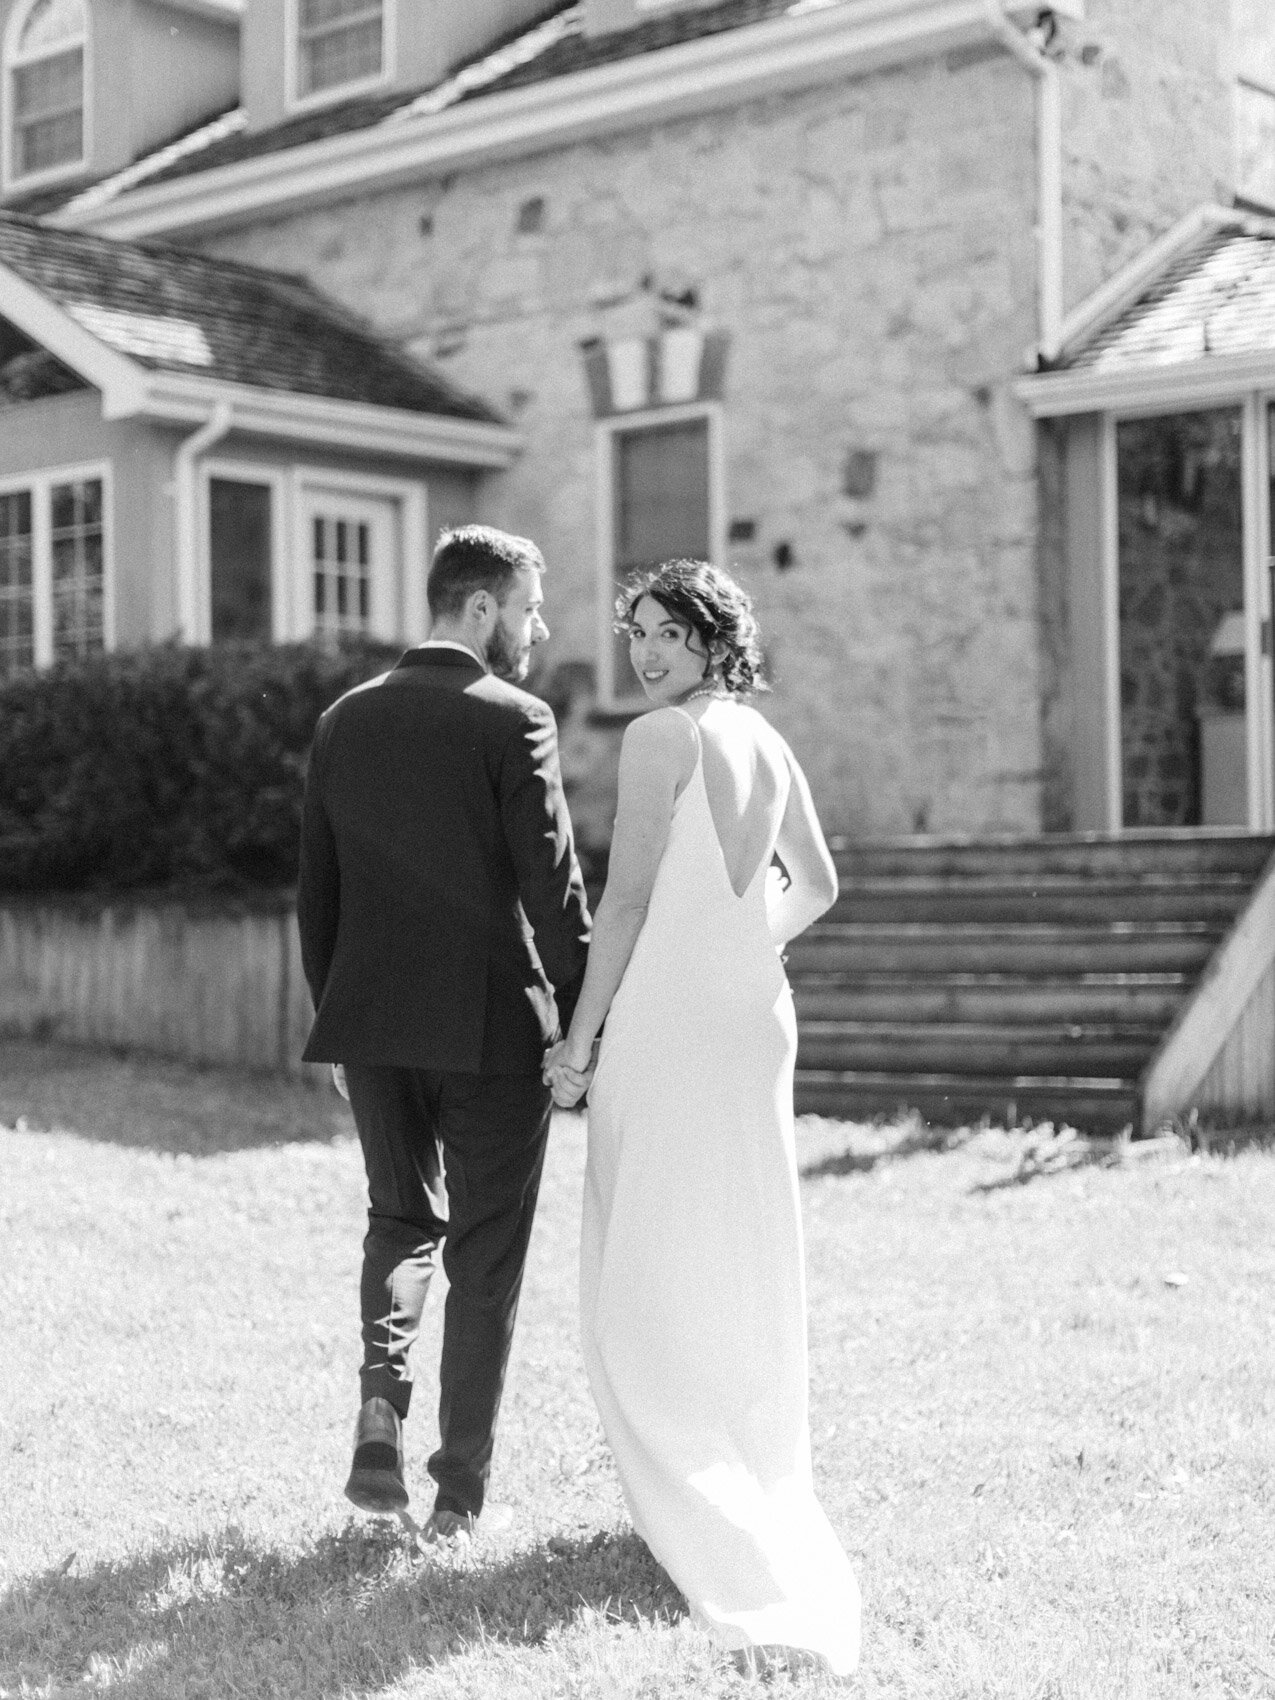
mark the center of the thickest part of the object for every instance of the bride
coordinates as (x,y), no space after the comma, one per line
(692,1281)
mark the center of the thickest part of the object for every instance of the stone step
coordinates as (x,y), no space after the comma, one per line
(1146,999)
(1100,1106)
(963,1048)
(1050,898)
(1094,856)
(925,948)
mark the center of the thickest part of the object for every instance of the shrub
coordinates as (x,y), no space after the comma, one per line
(169,768)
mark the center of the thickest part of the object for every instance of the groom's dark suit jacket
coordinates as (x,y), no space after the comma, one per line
(440,902)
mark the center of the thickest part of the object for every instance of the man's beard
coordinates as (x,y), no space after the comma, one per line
(505,658)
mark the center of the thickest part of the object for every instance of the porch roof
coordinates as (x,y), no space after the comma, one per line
(167,310)
(1193,318)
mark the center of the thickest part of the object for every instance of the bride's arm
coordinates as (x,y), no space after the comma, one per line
(812,876)
(656,759)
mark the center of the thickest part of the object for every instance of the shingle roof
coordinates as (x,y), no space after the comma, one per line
(184,312)
(1218,299)
(553,46)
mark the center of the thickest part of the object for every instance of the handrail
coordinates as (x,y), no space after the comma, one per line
(1181,1062)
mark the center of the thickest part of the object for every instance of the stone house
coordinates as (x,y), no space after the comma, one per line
(904,309)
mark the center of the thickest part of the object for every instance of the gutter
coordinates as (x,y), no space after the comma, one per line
(796,50)
(1049,191)
(190,602)
(361,427)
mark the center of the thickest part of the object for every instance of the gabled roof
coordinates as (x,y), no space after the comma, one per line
(544,85)
(166,309)
(554,47)
(1194,315)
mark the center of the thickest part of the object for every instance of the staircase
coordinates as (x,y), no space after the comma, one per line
(1011,977)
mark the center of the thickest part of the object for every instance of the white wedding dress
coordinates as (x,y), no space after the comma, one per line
(692,1282)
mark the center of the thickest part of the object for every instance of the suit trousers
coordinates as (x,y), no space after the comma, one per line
(452,1160)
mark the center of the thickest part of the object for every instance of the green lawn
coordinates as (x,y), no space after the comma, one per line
(1043,1412)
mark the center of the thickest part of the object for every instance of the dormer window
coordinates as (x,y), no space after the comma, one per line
(340,45)
(46,46)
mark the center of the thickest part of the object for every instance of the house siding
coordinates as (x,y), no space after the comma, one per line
(181,68)
(868,248)
(69,430)
(153,71)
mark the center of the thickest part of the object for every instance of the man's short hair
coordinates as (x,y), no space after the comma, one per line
(476,557)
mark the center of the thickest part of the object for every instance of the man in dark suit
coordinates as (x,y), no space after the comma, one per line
(444,933)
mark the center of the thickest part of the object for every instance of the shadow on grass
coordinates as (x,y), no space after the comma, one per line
(150,1103)
(224,1617)
(916,1137)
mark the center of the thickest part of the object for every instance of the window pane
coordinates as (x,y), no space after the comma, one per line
(1183,740)
(77,568)
(239,544)
(661,509)
(48,112)
(50,85)
(315,14)
(342,574)
(340,41)
(17,604)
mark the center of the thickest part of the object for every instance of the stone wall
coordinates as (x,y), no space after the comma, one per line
(868,248)
(1149,122)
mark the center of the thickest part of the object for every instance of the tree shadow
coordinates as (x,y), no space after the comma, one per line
(913,1139)
(353,1610)
(1047,1154)
(155,1104)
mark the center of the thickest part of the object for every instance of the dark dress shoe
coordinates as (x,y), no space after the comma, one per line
(376,1475)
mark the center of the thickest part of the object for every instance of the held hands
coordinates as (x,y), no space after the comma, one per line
(567,1082)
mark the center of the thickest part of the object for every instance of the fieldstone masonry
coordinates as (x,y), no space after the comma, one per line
(868,247)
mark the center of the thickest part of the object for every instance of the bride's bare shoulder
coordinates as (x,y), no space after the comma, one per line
(662,738)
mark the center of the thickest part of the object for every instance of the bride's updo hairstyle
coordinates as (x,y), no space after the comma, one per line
(718,611)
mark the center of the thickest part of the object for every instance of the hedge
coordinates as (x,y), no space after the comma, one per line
(172,769)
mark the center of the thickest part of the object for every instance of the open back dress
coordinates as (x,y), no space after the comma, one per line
(692,1281)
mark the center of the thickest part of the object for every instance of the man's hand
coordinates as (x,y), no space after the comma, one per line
(567,1082)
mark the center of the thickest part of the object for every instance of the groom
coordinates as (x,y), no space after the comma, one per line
(435,848)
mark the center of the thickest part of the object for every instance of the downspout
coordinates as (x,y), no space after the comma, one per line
(214,428)
(1049,194)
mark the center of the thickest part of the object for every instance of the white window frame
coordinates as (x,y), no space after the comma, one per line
(605,432)
(40,485)
(14,60)
(248,472)
(298,101)
(290,484)
(1259,668)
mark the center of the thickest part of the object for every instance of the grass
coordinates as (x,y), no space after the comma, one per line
(1043,1412)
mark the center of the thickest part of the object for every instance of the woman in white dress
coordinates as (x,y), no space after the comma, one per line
(692,1280)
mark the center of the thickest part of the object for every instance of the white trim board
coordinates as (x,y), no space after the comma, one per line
(792,51)
(40,484)
(605,432)
(296,102)
(1177,387)
(361,426)
(67,169)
